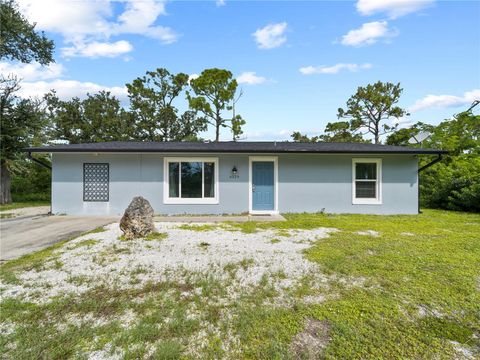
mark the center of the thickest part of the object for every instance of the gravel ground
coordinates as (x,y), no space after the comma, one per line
(107,260)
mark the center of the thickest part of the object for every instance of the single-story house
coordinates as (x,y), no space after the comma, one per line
(234,177)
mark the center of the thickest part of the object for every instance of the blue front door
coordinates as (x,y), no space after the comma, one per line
(263,190)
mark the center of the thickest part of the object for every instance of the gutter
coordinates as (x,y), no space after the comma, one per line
(424,167)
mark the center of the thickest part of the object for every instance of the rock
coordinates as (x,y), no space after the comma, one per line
(137,221)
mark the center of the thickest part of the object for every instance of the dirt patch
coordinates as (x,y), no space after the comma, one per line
(312,341)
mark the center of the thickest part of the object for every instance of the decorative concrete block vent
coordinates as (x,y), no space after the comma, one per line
(137,221)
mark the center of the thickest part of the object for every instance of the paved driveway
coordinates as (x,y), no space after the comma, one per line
(24,234)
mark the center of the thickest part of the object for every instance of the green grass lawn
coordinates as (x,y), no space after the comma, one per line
(23,204)
(410,292)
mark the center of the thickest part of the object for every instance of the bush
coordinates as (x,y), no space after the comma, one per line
(31,182)
(453,184)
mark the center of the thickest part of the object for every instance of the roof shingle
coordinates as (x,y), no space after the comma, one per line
(233,147)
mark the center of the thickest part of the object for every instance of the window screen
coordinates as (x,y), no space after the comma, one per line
(366,180)
(95,182)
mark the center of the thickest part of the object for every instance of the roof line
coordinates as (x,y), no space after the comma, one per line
(406,152)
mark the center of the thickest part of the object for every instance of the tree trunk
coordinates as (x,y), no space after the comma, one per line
(218,123)
(377,132)
(6,180)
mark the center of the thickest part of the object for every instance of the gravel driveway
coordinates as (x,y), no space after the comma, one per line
(27,233)
(110,260)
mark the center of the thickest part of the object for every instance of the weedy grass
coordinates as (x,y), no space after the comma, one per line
(35,260)
(97,230)
(156,236)
(23,204)
(150,237)
(203,227)
(87,242)
(387,297)
(436,269)
(204,245)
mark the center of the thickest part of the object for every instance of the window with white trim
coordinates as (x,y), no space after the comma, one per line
(367,186)
(191,181)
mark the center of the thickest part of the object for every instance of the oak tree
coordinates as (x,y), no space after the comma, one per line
(19,41)
(98,117)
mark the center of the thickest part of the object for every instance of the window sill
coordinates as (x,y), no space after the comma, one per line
(366,202)
(190,201)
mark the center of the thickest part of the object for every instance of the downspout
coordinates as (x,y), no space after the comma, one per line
(426,166)
(41,163)
(29,155)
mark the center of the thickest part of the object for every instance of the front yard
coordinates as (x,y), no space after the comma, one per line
(315,286)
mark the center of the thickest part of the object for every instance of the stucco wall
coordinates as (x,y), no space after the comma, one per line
(306,183)
(314,182)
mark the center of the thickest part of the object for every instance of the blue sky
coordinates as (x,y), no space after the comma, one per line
(297,61)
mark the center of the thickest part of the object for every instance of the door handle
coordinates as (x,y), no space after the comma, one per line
(253,188)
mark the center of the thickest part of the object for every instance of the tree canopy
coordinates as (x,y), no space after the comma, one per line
(454,182)
(22,125)
(371,107)
(339,131)
(152,104)
(214,92)
(18,38)
(21,120)
(99,117)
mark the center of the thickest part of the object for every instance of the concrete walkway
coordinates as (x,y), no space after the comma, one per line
(25,234)
(215,219)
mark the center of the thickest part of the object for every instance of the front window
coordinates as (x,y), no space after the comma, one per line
(191,180)
(367,181)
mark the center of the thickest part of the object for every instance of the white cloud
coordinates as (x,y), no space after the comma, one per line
(193,76)
(70,18)
(393,8)
(66,89)
(139,18)
(368,34)
(271,36)
(97,49)
(445,101)
(335,69)
(281,135)
(31,72)
(250,78)
(93,21)
(220,2)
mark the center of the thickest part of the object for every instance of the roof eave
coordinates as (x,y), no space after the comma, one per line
(408,152)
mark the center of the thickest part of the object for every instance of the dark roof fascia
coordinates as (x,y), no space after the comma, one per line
(413,151)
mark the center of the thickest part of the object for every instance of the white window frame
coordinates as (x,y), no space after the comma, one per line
(179,200)
(367,201)
(251,160)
